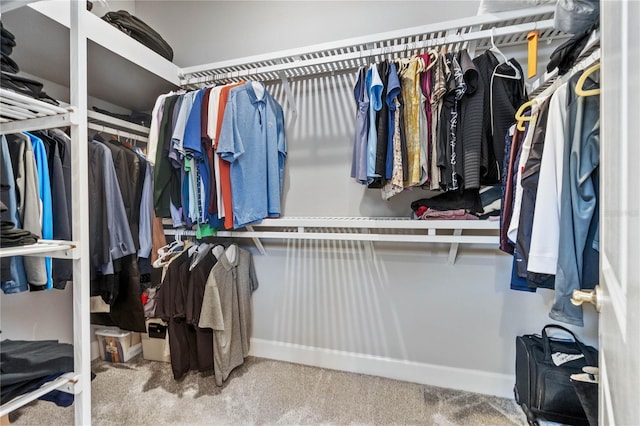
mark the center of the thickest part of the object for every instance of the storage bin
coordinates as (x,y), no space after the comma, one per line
(154,341)
(118,345)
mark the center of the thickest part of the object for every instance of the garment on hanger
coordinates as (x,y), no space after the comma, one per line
(578,213)
(226,308)
(252,139)
(529,176)
(471,106)
(411,96)
(114,268)
(359,157)
(375,88)
(382,127)
(57,145)
(393,166)
(439,76)
(450,148)
(424,114)
(14,278)
(28,202)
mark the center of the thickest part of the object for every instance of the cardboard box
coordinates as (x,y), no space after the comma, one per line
(154,341)
(118,345)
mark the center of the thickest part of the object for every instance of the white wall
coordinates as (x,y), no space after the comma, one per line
(404,302)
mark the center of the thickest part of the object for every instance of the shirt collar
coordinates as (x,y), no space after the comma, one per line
(252,94)
(225,260)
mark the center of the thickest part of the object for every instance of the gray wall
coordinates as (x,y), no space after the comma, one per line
(404,301)
(207,31)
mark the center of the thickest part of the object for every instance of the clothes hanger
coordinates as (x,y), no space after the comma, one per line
(433,55)
(173,245)
(218,251)
(201,252)
(580,91)
(494,48)
(231,253)
(520,117)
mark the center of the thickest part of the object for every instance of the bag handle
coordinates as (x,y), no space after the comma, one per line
(546,343)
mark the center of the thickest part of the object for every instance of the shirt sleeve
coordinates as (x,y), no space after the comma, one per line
(230,146)
(211,311)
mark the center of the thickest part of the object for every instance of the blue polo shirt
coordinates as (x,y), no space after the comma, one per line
(252,139)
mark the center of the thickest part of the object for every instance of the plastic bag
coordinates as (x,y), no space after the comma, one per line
(576,16)
(493,6)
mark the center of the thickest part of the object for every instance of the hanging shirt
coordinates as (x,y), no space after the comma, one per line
(545,233)
(424,114)
(15,281)
(512,232)
(252,139)
(177,137)
(193,149)
(579,199)
(216,204)
(393,91)
(411,98)
(359,157)
(224,191)
(440,74)
(449,146)
(154,128)
(470,129)
(146,212)
(44,191)
(395,185)
(374,87)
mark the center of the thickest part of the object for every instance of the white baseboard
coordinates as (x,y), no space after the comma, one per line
(409,371)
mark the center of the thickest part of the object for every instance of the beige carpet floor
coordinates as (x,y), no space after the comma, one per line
(266,392)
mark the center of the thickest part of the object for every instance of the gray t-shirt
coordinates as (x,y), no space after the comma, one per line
(226,308)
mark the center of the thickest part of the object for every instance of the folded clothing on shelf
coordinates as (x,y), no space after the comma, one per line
(24,364)
(8,64)
(25,86)
(140,31)
(8,40)
(10,236)
(8,43)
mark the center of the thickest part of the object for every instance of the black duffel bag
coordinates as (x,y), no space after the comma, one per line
(140,31)
(543,369)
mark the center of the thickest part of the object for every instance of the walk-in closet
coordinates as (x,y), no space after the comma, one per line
(319,212)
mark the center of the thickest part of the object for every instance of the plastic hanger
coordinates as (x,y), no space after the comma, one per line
(520,117)
(231,253)
(218,251)
(580,91)
(200,253)
(494,48)
(173,246)
(433,54)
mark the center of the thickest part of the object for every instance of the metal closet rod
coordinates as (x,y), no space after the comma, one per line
(117,132)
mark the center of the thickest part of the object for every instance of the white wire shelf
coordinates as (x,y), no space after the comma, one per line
(66,383)
(369,229)
(506,28)
(117,127)
(21,113)
(44,248)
